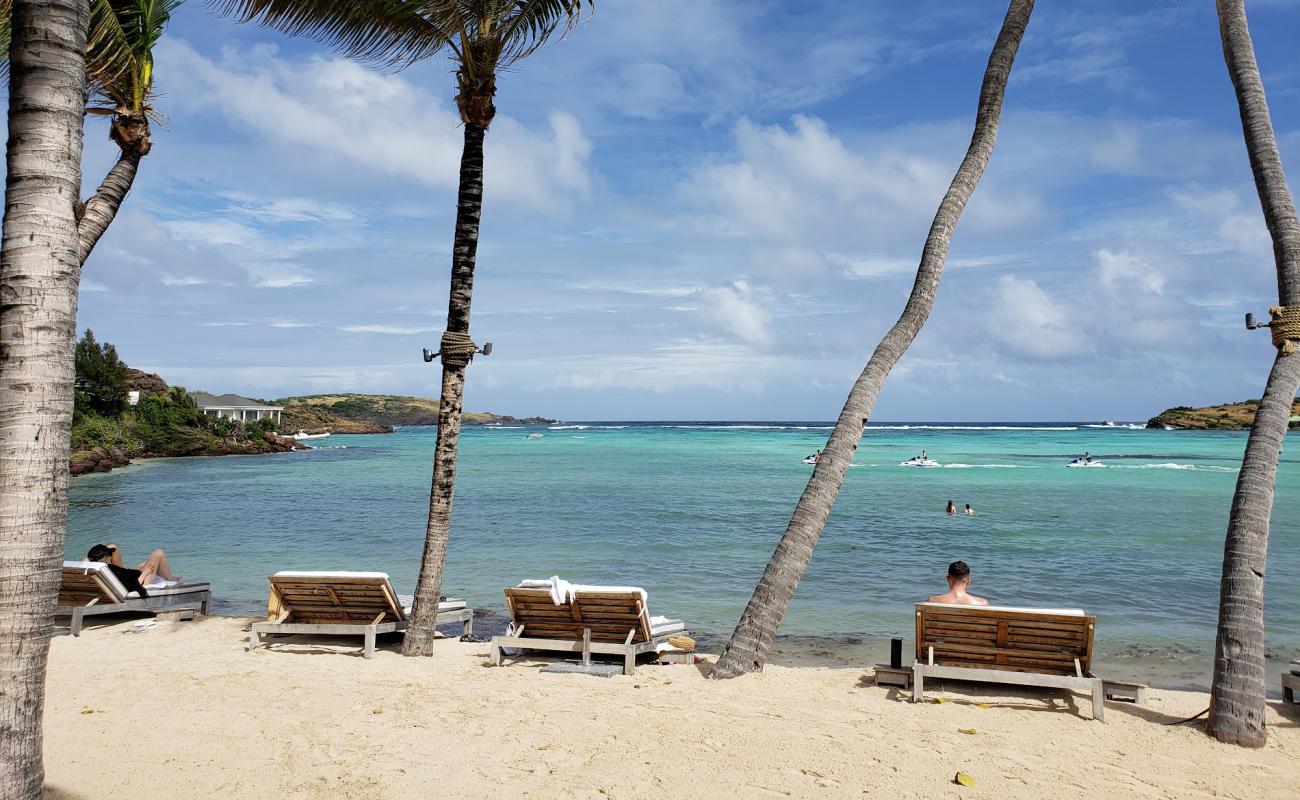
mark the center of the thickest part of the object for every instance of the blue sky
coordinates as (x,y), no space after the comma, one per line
(712,209)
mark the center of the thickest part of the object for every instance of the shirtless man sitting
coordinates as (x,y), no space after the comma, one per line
(958,582)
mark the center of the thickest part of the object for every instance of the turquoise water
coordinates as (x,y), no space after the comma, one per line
(692,511)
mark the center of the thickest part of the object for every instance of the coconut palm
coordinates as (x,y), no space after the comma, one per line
(1237,693)
(39,271)
(483,38)
(751,641)
(119,82)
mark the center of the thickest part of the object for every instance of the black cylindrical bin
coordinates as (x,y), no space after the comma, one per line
(896,653)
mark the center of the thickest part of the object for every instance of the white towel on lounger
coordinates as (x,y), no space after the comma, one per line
(560,589)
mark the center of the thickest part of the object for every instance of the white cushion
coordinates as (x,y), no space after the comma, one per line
(450,604)
(1295,667)
(328,574)
(106,575)
(662,626)
(1064,612)
(119,591)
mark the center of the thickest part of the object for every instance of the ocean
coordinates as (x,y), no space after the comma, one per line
(692,511)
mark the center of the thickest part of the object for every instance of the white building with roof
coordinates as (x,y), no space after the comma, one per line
(232,406)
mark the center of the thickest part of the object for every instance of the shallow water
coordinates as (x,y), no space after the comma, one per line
(692,511)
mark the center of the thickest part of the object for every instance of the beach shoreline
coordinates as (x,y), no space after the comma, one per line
(183,704)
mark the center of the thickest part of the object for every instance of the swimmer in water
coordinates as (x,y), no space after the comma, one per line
(952,508)
(970,512)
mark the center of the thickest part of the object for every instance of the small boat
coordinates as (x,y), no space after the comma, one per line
(810,460)
(917,461)
(1085,461)
(300,435)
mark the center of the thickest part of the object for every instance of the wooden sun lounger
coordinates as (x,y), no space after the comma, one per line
(1291,681)
(89,588)
(341,604)
(1005,645)
(607,622)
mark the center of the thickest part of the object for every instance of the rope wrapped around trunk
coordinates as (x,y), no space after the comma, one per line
(457,349)
(1286,327)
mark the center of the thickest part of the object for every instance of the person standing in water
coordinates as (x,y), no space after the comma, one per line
(952,508)
(970,512)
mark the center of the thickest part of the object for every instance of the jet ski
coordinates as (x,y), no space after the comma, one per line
(810,460)
(917,461)
(1085,461)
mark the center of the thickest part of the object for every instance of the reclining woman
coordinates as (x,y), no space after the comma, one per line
(154,570)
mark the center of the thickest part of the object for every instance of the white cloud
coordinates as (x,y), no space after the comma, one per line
(282,281)
(1026,321)
(734,309)
(353,117)
(393,330)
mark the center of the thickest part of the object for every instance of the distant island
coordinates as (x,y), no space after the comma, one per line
(121,413)
(1229,416)
(376,413)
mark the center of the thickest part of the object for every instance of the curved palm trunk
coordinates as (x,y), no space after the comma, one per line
(101,209)
(751,642)
(39,272)
(424,615)
(1237,693)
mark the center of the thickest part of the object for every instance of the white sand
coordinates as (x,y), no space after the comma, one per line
(183,711)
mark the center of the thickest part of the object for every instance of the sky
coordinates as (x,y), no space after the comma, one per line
(713,209)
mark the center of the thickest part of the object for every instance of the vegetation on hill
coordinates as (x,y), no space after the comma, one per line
(1229,416)
(344,413)
(107,432)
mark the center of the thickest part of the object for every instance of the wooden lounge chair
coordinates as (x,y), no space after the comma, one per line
(1027,647)
(342,604)
(1291,681)
(90,587)
(613,620)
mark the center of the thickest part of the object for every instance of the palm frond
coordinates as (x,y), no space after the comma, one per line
(109,52)
(531,23)
(390,33)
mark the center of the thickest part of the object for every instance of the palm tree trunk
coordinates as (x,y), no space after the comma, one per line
(1237,692)
(39,271)
(751,641)
(424,615)
(101,209)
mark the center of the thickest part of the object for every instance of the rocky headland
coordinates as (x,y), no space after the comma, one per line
(376,413)
(1229,416)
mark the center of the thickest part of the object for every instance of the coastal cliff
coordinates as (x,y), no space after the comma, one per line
(376,413)
(1229,416)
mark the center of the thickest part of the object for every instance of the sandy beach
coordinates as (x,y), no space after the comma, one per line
(182,708)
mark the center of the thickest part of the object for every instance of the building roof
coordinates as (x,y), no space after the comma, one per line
(205,400)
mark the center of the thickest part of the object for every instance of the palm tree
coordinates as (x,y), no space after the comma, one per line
(1237,692)
(751,641)
(119,81)
(39,271)
(483,37)
(120,77)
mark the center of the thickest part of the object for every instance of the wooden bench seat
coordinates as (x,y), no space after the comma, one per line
(1027,647)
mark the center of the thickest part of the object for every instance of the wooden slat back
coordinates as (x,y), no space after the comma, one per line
(1015,641)
(609,615)
(333,600)
(80,587)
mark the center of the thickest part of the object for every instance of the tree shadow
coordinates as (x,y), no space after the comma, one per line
(59,793)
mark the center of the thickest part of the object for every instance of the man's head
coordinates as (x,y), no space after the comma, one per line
(99,552)
(958,574)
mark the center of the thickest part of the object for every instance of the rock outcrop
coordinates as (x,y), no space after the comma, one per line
(1229,416)
(146,383)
